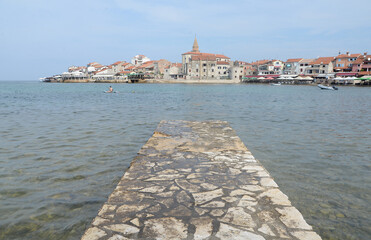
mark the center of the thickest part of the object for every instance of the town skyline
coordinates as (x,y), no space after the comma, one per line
(50,37)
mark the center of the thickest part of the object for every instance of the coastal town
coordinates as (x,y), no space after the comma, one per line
(197,67)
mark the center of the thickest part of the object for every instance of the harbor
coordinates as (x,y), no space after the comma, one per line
(197,180)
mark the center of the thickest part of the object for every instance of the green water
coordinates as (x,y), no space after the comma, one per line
(64,147)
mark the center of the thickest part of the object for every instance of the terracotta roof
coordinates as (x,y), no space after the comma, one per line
(306,60)
(348,56)
(125,72)
(131,67)
(195,53)
(294,60)
(361,59)
(322,60)
(260,62)
(207,54)
(100,71)
(116,63)
(146,64)
(176,65)
(222,63)
(221,56)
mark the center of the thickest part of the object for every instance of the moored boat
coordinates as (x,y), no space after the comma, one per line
(327,87)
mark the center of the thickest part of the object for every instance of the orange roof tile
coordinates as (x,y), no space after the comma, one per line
(116,63)
(322,60)
(260,62)
(221,56)
(348,56)
(206,54)
(176,65)
(294,60)
(125,72)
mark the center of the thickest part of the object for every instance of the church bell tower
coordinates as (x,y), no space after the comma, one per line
(195,46)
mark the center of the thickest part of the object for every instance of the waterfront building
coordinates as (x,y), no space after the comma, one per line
(104,74)
(237,70)
(119,66)
(322,65)
(250,70)
(146,67)
(344,62)
(159,66)
(139,60)
(261,66)
(291,66)
(94,66)
(269,67)
(173,71)
(362,65)
(197,65)
(303,65)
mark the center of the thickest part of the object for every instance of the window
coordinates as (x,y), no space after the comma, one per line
(204,64)
(219,67)
(339,60)
(212,70)
(204,70)
(189,70)
(197,70)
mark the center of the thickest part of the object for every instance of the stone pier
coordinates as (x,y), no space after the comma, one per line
(197,180)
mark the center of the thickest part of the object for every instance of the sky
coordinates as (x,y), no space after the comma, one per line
(40,38)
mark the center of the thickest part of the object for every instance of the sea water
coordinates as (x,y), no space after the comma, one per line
(64,147)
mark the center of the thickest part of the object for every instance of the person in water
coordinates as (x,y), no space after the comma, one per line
(110,89)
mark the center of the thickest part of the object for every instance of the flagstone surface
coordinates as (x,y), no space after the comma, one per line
(197,180)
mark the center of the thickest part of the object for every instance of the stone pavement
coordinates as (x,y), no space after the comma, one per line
(197,180)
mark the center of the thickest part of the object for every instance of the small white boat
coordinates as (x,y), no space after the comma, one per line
(327,87)
(276,84)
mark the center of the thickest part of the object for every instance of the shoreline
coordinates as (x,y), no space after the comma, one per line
(194,81)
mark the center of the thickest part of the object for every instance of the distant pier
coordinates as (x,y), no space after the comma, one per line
(197,180)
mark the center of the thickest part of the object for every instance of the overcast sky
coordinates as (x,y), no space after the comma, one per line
(39,38)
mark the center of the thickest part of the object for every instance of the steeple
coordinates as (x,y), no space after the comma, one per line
(195,46)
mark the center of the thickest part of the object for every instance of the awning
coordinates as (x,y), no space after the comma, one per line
(346,74)
(288,76)
(326,75)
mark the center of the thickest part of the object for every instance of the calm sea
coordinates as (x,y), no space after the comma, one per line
(64,147)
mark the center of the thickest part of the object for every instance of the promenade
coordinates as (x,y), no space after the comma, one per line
(197,180)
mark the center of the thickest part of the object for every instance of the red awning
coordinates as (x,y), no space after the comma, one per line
(346,74)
